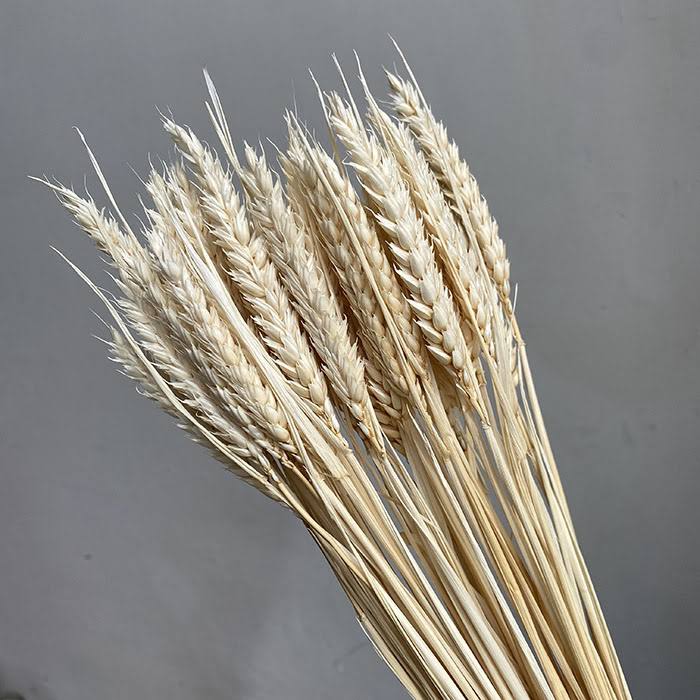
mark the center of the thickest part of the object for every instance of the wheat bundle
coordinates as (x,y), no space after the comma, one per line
(341,335)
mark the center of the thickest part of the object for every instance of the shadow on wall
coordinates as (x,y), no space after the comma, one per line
(22,684)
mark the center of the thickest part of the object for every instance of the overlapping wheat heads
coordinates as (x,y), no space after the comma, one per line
(341,335)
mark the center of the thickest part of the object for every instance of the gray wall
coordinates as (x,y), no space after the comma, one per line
(131,566)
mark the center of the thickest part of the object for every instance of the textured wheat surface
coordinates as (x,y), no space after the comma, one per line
(334,322)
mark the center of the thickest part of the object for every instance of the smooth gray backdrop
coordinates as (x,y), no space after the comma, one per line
(131,566)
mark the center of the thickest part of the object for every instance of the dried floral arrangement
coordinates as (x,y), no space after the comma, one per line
(341,335)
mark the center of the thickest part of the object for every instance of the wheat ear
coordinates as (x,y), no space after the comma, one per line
(456,178)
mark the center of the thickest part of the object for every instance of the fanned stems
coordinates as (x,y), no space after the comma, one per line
(430,485)
(462,190)
(329,173)
(343,339)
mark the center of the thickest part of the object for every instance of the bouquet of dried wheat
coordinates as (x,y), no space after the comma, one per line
(342,336)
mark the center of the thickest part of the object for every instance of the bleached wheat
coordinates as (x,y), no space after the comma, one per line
(354,354)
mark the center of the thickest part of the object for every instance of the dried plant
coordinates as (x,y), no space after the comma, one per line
(342,337)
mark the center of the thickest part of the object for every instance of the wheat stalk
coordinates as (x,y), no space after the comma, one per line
(342,338)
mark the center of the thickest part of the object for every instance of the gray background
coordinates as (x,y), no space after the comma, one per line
(131,566)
